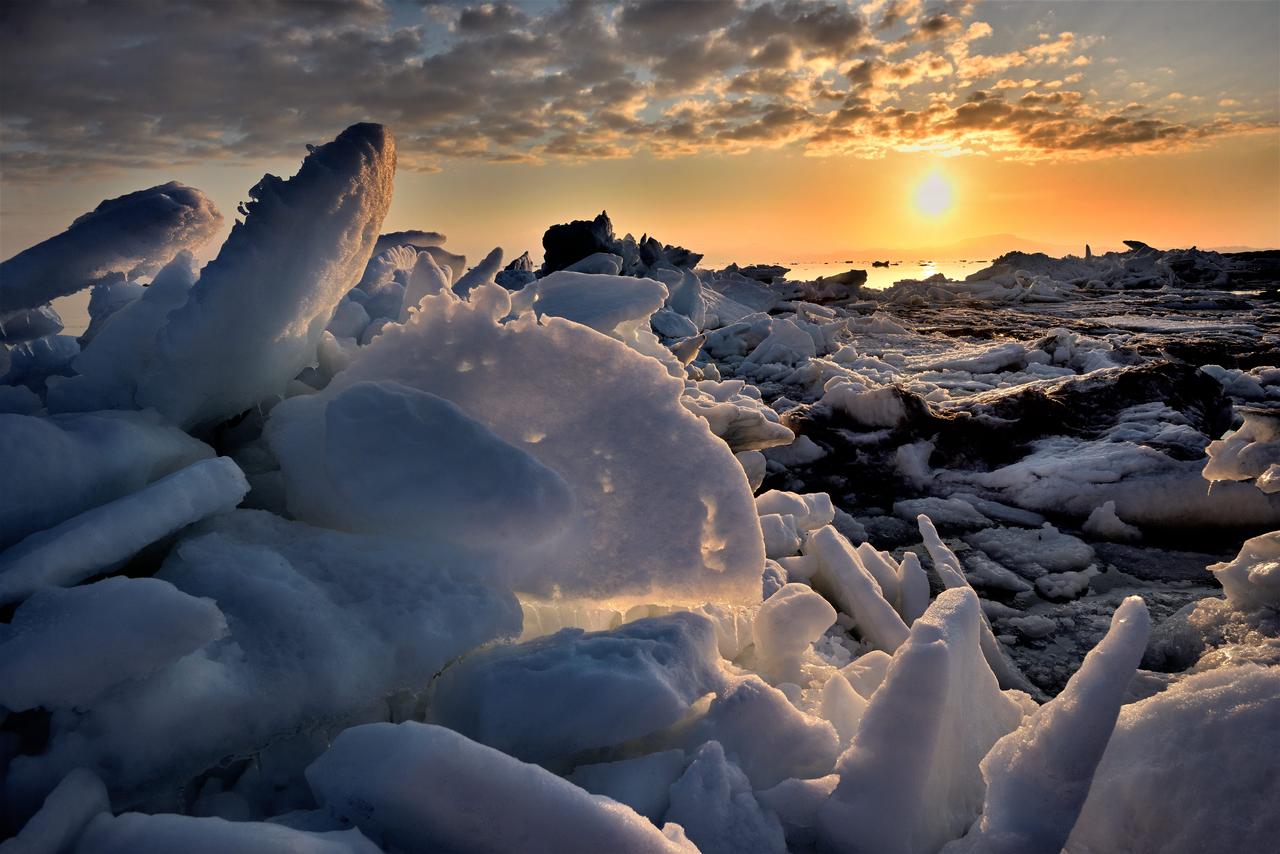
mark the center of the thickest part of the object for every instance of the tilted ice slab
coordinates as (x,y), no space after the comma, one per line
(662,510)
(558,695)
(255,318)
(133,234)
(417,787)
(106,370)
(322,626)
(104,537)
(70,463)
(383,458)
(1039,775)
(910,781)
(1190,769)
(67,647)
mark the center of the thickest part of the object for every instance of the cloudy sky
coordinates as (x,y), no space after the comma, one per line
(779,127)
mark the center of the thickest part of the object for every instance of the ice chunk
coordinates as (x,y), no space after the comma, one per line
(854,590)
(1252,579)
(843,707)
(1038,776)
(735,415)
(643,783)
(951,573)
(780,536)
(139,833)
(766,736)
(558,695)
(66,647)
(787,344)
(1249,452)
(418,787)
(1032,553)
(788,623)
(427,278)
(133,234)
(1190,769)
(254,319)
(108,367)
(70,463)
(480,274)
(663,511)
(714,804)
(910,780)
(323,626)
(796,803)
(61,820)
(1103,522)
(603,263)
(810,511)
(108,535)
(396,460)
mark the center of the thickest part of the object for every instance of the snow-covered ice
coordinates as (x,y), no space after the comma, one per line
(316,548)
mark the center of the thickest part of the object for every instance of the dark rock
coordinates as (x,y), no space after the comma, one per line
(564,244)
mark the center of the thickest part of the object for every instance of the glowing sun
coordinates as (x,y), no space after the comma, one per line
(933,195)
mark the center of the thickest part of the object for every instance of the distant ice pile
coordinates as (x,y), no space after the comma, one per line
(340,545)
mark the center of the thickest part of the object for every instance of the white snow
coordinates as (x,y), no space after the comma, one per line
(714,804)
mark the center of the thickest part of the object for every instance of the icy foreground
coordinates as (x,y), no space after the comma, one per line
(338,545)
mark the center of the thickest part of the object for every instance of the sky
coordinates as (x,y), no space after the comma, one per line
(747,130)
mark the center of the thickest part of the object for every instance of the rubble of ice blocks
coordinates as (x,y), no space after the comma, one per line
(743,564)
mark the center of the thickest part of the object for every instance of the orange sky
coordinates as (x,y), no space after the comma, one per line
(748,130)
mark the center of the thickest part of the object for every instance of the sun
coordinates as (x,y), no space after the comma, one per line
(933,196)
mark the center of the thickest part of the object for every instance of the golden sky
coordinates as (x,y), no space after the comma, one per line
(747,130)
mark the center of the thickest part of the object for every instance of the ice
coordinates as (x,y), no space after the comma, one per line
(910,780)
(642,783)
(1103,522)
(134,234)
(1039,775)
(1032,553)
(605,263)
(65,648)
(106,536)
(29,324)
(404,462)
(1252,580)
(139,833)
(63,816)
(416,787)
(255,317)
(788,623)
(1250,453)
(572,691)
(1189,769)
(796,803)
(735,414)
(610,423)
(70,463)
(810,511)
(851,586)
(323,625)
(766,736)
(843,707)
(106,369)
(714,804)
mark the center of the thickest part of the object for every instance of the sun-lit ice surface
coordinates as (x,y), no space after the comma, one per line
(343,545)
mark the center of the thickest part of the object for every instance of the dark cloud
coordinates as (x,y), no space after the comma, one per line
(95,86)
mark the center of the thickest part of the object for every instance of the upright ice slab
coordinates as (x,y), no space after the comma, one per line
(254,319)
